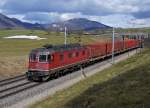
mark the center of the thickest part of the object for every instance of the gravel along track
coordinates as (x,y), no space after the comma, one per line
(23,93)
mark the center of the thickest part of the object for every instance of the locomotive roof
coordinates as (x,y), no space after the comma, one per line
(54,48)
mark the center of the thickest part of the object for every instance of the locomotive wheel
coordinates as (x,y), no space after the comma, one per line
(40,79)
(30,78)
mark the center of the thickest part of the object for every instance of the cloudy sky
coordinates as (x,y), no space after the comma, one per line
(122,13)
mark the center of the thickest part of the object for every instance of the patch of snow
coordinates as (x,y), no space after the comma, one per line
(24,37)
(55,25)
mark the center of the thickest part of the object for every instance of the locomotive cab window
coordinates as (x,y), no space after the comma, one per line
(49,58)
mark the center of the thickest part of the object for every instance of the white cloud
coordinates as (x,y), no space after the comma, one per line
(140,22)
(18,16)
(67,16)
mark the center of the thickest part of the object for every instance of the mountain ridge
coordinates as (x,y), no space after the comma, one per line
(76,24)
(13,23)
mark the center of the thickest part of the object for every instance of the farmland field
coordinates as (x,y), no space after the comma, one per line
(14,52)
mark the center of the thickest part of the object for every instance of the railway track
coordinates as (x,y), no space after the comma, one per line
(12,80)
(16,89)
(14,85)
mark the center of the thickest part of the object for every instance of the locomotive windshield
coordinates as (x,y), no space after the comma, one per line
(42,58)
(45,58)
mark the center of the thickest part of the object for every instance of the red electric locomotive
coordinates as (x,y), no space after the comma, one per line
(51,60)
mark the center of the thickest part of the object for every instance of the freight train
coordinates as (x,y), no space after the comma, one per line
(52,60)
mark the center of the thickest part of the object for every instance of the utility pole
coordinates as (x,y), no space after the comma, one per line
(65,35)
(113,45)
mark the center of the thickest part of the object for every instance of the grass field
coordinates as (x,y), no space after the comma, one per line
(14,52)
(124,85)
(13,47)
